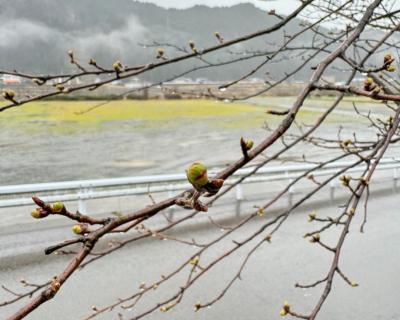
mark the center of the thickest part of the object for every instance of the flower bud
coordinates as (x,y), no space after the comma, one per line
(117,66)
(197,175)
(192,46)
(8,95)
(194,261)
(80,228)
(312,216)
(391,68)
(282,313)
(160,53)
(39,213)
(387,58)
(249,144)
(58,207)
(92,62)
(197,306)
(315,238)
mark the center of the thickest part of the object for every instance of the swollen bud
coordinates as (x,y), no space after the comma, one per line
(249,144)
(197,175)
(80,228)
(194,261)
(391,68)
(39,213)
(160,53)
(285,309)
(58,207)
(315,238)
(312,216)
(369,84)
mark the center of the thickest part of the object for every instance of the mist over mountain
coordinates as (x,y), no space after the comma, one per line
(35,35)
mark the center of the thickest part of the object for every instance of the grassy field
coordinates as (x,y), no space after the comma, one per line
(69,116)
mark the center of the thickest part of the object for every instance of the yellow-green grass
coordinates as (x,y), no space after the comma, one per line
(67,116)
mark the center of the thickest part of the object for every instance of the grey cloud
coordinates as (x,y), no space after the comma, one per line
(16,32)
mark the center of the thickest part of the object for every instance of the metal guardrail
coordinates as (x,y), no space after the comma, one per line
(82,190)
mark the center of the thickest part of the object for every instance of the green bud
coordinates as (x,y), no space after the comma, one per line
(36,214)
(58,207)
(77,229)
(197,175)
(249,144)
(81,228)
(8,94)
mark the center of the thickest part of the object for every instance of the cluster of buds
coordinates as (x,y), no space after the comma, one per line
(9,95)
(118,67)
(285,309)
(345,180)
(219,37)
(371,86)
(387,61)
(192,46)
(260,212)
(44,209)
(160,54)
(80,228)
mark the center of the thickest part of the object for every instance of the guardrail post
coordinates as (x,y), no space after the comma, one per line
(171,208)
(82,208)
(332,190)
(239,192)
(239,198)
(291,190)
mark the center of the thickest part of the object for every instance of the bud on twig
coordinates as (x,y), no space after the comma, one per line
(9,95)
(80,228)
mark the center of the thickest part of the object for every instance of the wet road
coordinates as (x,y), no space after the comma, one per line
(371,259)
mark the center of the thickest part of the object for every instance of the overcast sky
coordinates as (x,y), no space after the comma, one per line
(283,6)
